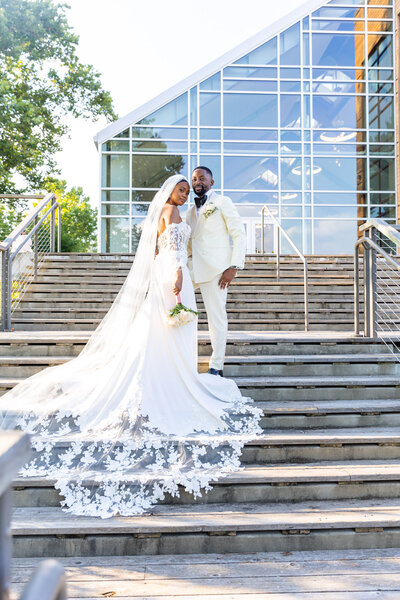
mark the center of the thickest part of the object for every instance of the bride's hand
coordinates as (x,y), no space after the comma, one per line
(178,283)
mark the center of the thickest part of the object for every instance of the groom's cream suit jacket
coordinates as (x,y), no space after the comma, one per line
(217,223)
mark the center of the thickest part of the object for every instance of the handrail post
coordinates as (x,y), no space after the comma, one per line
(59,230)
(356,290)
(306,316)
(6,277)
(262,230)
(370,285)
(52,225)
(278,254)
(35,250)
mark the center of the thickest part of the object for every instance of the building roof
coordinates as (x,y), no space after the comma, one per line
(227,58)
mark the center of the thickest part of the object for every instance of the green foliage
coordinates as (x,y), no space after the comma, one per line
(41,81)
(11,213)
(78,218)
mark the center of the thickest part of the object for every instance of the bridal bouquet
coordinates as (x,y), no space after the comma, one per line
(180,314)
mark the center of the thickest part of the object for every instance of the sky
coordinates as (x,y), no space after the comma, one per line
(142,48)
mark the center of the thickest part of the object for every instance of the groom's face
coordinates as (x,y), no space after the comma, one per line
(202,181)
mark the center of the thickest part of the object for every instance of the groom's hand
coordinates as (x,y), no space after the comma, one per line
(227,277)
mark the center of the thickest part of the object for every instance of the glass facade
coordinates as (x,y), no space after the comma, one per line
(304,123)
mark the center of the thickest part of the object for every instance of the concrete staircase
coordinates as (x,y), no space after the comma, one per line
(324,475)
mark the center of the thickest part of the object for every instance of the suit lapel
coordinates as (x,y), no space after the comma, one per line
(199,217)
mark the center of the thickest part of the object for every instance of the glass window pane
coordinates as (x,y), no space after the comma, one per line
(115,235)
(337,49)
(257,110)
(380,13)
(290,46)
(115,170)
(155,146)
(339,111)
(380,74)
(193,106)
(139,209)
(338,25)
(213,147)
(173,113)
(136,232)
(250,148)
(306,23)
(262,72)
(382,198)
(251,86)
(381,112)
(115,209)
(349,2)
(386,149)
(290,110)
(251,134)
(291,173)
(380,51)
(339,136)
(338,75)
(382,174)
(334,237)
(291,136)
(381,26)
(160,133)
(291,86)
(115,196)
(250,172)
(257,197)
(337,212)
(339,149)
(123,134)
(210,134)
(213,163)
(210,109)
(380,2)
(338,87)
(150,171)
(290,148)
(294,229)
(381,136)
(335,198)
(380,88)
(263,55)
(212,83)
(382,212)
(339,174)
(330,12)
(290,73)
(143,196)
(115,146)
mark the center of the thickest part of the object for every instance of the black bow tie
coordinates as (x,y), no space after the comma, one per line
(200,201)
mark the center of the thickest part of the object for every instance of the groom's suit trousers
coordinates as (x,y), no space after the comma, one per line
(215,304)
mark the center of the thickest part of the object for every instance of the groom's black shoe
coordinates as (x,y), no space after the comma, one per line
(216,372)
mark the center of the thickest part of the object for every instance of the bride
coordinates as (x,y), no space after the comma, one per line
(130,419)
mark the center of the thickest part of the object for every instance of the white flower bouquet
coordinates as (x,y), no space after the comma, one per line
(180,314)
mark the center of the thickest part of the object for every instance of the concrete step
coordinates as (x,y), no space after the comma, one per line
(266,483)
(210,528)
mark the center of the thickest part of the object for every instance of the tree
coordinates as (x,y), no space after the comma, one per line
(78,218)
(41,81)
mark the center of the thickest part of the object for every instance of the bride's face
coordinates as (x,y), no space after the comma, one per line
(180,193)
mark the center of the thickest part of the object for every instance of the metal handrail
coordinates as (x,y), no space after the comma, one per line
(48,583)
(8,254)
(370,249)
(280,230)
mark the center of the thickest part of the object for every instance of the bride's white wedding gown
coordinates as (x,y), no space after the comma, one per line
(116,436)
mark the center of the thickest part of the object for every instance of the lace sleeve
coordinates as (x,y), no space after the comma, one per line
(174,241)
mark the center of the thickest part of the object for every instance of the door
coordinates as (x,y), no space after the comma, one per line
(253,233)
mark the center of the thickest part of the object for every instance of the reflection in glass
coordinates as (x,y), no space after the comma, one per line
(160,146)
(257,110)
(334,237)
(380,51)
(213,163)
(115,146)
(123,134)
(380,74)
(342,149)
(143,196)
(291,211)
(261,72)
(210,133)
(161,133)
(263,55)
(250,197)
(375,198)
(294,229)
(193,106)
(380,13)
(212,147)
(251,86)
(115,170)
(381,112)
(210,109)
(288,73)
(136,231)
(290,110)
(251,134)
(306,51)
(347,112)
(338,87)
(250,148)
(290,46)
(382,26)
(382,212)
(173,113)
(329,12)
(291,86)
(114,234)
(291,173)
(337,49)
(115,196)
(335,198)
(336,212)
(380,88)
(387,149)
(381,136)
(339,174)
(338,25)
(115,209)
(290,148)
(382,174)
(150,171)
(212,83)
(291,136)
(250,172)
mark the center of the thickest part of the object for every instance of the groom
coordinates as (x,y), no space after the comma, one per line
(214,262)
